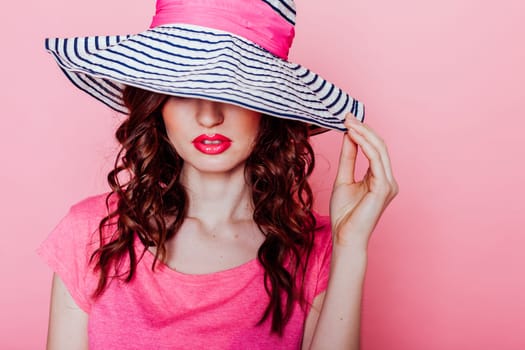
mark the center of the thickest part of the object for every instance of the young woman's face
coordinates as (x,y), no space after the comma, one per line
(210,136)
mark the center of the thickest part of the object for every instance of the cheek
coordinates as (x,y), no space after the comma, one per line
(172,124)
(171,117)
(174,132)
(251,126)
(169,120)
(170,130)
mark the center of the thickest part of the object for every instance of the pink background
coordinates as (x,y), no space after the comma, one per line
(444,84)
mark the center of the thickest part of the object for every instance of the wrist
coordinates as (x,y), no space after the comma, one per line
(355,242)
(350,255)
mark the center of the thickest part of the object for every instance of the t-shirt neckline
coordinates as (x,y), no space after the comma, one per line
(248,267)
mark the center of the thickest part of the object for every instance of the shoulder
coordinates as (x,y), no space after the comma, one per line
(77,234)
(323,234)
(322,245)
(69,247)
(94,205)
(84,217)
(323,223)
(93,208)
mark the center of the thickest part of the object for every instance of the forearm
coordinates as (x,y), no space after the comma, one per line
(355,208)
(339,321)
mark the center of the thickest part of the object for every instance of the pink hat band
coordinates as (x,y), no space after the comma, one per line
(254,20)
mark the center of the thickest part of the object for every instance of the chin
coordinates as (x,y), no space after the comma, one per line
(216,167)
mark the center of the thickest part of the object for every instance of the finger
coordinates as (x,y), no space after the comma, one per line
(376,141)
(347,158)
(371,153)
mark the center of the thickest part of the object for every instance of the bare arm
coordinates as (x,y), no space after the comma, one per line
(355,208)
(311,320)
(336,324)
(67,322)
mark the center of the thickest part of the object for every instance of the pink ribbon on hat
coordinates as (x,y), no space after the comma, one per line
(254,20)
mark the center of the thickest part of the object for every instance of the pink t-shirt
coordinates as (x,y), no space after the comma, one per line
(166,309)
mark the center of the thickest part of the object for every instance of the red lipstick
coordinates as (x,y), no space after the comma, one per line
(212,144)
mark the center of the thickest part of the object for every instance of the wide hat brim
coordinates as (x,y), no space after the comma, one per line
(192,61)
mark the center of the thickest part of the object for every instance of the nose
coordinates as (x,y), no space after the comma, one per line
(209,113)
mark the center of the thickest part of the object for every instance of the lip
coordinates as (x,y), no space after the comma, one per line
(212,144)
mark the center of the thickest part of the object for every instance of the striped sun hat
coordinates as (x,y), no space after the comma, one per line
(232,51)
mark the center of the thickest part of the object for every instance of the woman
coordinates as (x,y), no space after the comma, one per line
(207,238)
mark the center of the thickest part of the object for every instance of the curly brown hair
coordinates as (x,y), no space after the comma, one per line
(152,203)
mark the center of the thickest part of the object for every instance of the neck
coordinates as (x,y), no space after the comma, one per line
(216,198)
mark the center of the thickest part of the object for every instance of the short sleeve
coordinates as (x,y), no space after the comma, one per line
(323,252)
(69,246)
(318,269)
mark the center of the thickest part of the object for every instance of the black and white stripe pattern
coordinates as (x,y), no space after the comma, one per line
(200,62)
(286,8)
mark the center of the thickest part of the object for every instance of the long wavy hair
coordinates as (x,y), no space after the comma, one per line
(152,203)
